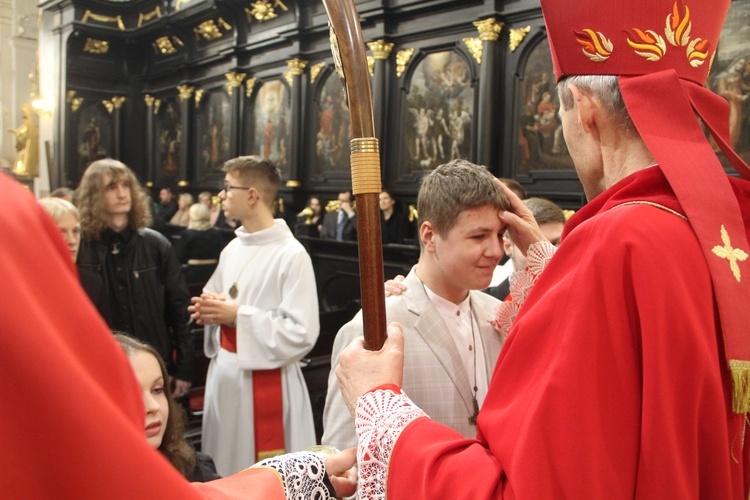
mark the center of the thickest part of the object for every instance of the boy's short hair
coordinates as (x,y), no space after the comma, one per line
(514,186)
(454,187)
(544,210)
(258,173)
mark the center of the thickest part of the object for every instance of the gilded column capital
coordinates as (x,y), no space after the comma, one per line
(489,29)
(296,66)
(75,103)
(185,92)
(234,80)
(149,100)
(380,49)
(117,101)
(198,96)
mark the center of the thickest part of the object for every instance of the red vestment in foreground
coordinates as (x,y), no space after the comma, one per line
(612,382)
(72,417)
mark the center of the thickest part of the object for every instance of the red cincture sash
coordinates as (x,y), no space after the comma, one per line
(268,406)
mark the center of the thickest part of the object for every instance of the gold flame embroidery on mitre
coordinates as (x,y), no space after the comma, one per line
(595,45)
(647,44)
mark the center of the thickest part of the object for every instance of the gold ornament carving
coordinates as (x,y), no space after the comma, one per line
(380,49)
(70,95)
(297,66)
(185,92)
(144,18)
(118,101)
(164,46)
(371,65)
(249,86)
(108,104)
(289,77)
(157,105)
(103,19)
(402,59)
(75,103)
(94,46)
(489,29)
(207,30)
(234,80)
(198,96)
(315,70)
(149,100)
(516,36)
(263,11)
(224,24)
(475,46)
(334,42)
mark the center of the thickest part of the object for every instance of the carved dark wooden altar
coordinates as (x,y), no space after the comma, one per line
(174,88)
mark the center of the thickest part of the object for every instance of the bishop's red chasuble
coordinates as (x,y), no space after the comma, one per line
(612,383)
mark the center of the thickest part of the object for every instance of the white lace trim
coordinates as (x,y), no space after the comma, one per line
(301,473)
(381,417)
(521,282)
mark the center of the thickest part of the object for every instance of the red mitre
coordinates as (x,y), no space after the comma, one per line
(661,51)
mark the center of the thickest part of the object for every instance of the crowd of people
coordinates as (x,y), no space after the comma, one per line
(612,361)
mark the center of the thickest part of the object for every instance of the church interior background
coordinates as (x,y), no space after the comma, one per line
(173,88)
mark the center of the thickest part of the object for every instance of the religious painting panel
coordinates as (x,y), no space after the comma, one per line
(333,134)
(94,134)
(213,124)
(272,111)
(540,143)
(168,138)
(438,120)
(730,77)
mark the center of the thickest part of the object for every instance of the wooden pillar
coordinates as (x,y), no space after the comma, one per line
(149,100)
(234,82)
(381,50)
(489,100)
(185,96)
(117,102)
(298,86)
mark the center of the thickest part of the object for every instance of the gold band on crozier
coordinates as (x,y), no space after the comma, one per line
(364,144)
(365,161)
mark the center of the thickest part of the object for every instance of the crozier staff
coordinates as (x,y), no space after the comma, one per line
(349,54)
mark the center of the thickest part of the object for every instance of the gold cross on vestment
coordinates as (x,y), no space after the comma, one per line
(733,255)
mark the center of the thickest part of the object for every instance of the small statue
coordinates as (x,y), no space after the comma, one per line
(27,145)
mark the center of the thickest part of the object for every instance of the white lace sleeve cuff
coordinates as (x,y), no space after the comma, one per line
(381,417)
(303,474)
(521,282)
